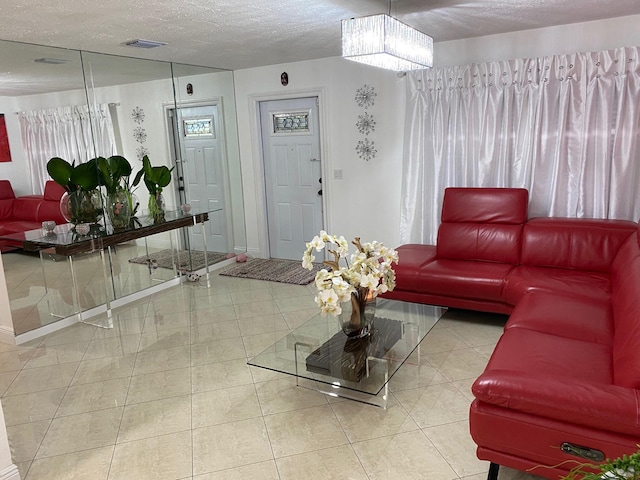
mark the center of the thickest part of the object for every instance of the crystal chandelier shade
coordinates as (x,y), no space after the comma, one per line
(382,41)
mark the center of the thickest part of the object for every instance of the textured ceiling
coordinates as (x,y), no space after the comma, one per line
(235,34)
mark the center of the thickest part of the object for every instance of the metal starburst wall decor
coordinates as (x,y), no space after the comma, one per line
(366,124)
(366,98)
(366,149)
(138,115)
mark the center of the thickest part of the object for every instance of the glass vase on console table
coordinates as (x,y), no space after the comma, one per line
(81,206)
(118,208)
(156,207)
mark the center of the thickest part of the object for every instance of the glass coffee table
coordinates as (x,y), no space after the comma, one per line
(358,369)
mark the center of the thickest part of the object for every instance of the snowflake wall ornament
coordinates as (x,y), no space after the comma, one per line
(366,96)
(138,115)
(366,150)
(366,124)
(141,151)
(140,134)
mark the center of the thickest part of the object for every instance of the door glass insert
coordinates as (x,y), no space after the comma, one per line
(199,127)
(291,122)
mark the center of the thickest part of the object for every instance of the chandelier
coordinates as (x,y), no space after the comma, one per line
(382,41)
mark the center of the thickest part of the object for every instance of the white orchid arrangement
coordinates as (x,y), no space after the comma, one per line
(366,273)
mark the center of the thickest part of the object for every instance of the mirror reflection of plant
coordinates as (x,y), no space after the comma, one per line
(155,179)
(115,173)
(81,183)
(72,177)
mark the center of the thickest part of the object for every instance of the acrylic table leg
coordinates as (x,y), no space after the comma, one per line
(76,293)
(206,261)
(175,255)
(106,286)
(385,396)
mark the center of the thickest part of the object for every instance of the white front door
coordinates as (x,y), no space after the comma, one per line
(293,174)
(204,174)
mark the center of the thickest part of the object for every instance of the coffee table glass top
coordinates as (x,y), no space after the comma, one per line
(318,350)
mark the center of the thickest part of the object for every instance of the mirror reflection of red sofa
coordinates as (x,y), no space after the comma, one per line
(19,214)
(562,385)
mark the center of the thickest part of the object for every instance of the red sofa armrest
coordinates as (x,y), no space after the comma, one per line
(411,258)
(607,407)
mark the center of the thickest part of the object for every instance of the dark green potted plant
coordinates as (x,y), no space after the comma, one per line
(82,202)
(114,173)
(155,178)
(626,467)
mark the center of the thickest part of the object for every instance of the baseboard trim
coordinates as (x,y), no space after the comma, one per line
(10,473)
(7,336)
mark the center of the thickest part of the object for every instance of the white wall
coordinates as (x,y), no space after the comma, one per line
(367,201)
(564,39)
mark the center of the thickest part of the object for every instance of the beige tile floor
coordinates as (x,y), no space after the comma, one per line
(167,395)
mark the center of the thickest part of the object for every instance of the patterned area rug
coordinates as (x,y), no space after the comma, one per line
(273,270)
(164,259)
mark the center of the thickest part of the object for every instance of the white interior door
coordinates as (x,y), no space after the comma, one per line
(204,174)
(293,174)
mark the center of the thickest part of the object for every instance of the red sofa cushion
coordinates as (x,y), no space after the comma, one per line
(577,243)
(585,319)
(485,205)
(479,241)
(411,258)
(26,208)
(17,226)
(52,191)
(567,400)
(6,209)
(50,210)
(547,355)
(525,279)
(464,279)
(482,224)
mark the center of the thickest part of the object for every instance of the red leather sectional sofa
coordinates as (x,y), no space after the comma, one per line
(19,214)
(563,383)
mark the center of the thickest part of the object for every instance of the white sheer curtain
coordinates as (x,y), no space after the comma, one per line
(66,132)
(565,127)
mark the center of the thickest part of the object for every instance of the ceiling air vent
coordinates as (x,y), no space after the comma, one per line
(51,61)
(145,43)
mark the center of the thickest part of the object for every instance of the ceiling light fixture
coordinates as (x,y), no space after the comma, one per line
(382,41)
(144,43)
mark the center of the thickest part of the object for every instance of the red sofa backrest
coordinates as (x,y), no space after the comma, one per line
(50,207)
(625,302)
(578,243)
(6,200)
(26,208)
(52,191)
(482,224)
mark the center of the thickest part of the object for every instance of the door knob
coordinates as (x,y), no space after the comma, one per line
(320,192)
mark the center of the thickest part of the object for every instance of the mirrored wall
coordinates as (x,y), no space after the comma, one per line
(179,116)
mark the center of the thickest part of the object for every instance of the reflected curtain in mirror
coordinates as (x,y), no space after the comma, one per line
(65,132)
